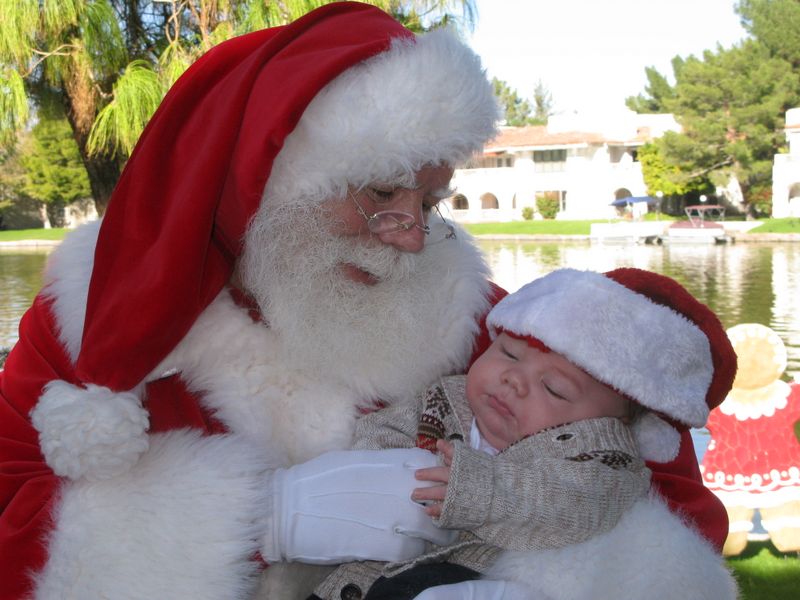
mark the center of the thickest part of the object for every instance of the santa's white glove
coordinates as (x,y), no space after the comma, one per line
(480,590)
(351,505)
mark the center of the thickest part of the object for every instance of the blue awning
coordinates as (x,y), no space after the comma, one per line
(634,200)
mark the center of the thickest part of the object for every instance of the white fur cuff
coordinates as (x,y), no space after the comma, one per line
(93,432)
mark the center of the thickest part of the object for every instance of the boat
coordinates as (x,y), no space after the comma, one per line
(632,231)
(702,226)
(637,232)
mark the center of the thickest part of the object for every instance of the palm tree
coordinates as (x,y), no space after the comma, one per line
(109,62)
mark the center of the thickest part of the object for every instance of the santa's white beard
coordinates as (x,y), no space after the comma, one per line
(372,338)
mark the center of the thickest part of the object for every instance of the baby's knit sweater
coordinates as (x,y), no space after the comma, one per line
(558,487)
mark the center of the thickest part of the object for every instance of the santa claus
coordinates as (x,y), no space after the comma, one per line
(271,265)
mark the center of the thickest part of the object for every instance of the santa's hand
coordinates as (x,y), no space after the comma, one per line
(480,590)
(351,505)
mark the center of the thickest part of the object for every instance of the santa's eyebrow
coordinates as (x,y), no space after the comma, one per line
(392,185)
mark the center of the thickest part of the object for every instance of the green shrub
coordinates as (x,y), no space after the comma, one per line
(547,206)
(527,213)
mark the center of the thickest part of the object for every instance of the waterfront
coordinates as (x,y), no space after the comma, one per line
(742,283)
(20,280)
(755,282)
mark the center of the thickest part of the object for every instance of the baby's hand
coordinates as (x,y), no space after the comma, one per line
(433,496)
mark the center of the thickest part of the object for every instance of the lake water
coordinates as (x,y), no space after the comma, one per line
(743,283)
(20,280)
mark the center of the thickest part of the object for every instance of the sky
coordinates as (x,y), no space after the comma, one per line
(592,54)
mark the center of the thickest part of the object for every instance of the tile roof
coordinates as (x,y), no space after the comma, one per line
(538,135)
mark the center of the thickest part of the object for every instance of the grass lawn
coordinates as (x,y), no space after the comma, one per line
(555,227)
(543,227)
(531,227)
(16,235)
(764,573)
(787,225)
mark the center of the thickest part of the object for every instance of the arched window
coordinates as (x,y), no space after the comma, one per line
(623,210)
(489,200)
(794,190)
(460,202)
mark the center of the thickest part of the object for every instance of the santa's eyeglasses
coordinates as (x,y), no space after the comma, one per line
(395,221)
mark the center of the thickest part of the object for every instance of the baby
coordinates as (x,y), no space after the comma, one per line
(543,445)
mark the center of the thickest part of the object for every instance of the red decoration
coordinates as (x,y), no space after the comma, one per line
(753,460)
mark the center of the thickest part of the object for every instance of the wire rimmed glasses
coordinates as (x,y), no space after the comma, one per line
(395,221)
(389,221)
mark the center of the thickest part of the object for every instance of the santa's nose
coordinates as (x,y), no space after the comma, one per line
(410,238)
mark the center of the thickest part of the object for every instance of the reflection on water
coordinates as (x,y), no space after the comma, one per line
(742,283)
(20,280)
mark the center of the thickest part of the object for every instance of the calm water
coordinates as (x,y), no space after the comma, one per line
(743,283)
(20,280)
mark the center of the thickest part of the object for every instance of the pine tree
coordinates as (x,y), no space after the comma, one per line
(53,173)
(543,104)
(731,105)
(516,110)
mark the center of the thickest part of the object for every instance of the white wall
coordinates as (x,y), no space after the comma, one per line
(590,176)
(589,180)
(786,171)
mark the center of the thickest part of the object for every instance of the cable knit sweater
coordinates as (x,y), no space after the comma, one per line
(558,487)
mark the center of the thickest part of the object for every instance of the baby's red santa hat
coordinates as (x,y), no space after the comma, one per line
(343,96)
(639,332)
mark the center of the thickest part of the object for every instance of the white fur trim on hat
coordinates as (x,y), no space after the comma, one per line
(93,432)
(645,350)
(656,439)
(424,101)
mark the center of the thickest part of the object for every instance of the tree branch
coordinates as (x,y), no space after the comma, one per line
(45,55)
(700,172)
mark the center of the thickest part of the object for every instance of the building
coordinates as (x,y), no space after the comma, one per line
(786,171)
(583,162)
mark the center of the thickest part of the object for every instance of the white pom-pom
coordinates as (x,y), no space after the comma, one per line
(657,440)
(90,432)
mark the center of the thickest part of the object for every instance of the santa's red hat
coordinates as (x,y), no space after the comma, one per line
(342,96)
(639,332)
